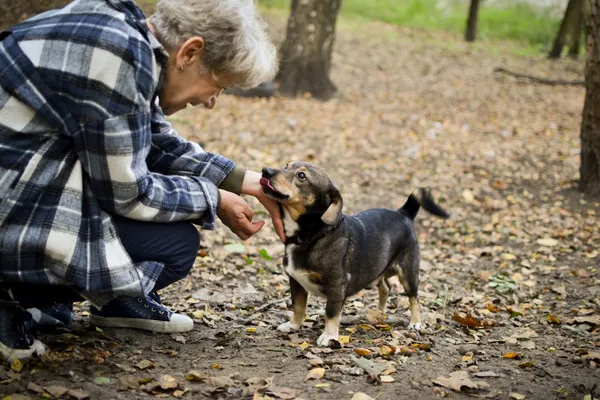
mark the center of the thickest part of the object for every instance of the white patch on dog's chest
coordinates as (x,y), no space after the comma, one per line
(301,276)
(291,226)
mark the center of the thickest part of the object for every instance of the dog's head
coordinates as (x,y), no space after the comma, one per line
(303,188)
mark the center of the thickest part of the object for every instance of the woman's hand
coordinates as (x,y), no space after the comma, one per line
(251,186)
(237,215)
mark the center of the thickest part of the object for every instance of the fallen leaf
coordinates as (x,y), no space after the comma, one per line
(525,334)
(101,380)
(552,319)
(362,352)
(197,376)
(167,382)
(386,379)
(344,339)
(512,355)
(56,391)
(485,374)
(527,364)
(235,248)
(361,396)
(322,385)
(145,364)
(458,380)
(78,394)
(517,396)
(549,242)
(16,365)
(472,322)
(315,373)
(376,317)
(216,366)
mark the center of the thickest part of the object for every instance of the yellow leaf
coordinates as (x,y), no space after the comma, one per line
(216,366)
(322,385)
(553,319)
(512,355)
(315,373)
(344,339)
(251,330)
(467,358)
(142,381)
(362,352)
(385,350)
(16,365)
(351,330)
(304,345)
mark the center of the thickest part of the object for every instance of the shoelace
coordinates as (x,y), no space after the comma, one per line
(156,306)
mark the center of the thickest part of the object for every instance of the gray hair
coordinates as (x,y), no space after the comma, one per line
(236,42)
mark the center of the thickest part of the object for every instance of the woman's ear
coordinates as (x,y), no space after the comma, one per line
(190,51)
(333,214)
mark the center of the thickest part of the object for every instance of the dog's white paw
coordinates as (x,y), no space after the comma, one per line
(287,327)
(324,339)
(415,326)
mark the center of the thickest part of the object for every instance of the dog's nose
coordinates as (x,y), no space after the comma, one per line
(268,172)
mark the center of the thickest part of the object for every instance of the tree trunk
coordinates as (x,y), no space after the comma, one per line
(563,31)
(576,30)
(589,181)
(306,51)
(472,21)
(14,11)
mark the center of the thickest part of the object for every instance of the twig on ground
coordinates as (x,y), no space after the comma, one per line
(542,81)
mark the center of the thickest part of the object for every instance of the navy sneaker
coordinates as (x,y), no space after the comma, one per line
(15,340)
(140,313)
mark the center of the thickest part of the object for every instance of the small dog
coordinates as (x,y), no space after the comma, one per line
(332,255)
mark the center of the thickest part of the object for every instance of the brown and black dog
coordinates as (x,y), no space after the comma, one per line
(332,255)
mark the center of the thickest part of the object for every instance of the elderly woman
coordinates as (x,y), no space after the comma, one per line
(98,193)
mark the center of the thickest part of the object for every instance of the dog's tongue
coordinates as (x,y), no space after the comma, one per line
(266,183)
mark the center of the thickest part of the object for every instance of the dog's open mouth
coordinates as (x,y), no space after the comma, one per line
(270,190)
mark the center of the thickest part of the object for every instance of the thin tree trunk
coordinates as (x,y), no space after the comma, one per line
(563,31)
(589,182)
(307,49)
(576,31)
(471,32)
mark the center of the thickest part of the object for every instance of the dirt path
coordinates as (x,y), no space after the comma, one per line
(500,154)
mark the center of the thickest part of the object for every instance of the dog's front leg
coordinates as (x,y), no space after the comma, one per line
(299,299)
(333,314)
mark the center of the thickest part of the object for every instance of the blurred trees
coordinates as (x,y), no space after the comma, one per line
(589,181)
(471,32)
(570,27)
(307,49)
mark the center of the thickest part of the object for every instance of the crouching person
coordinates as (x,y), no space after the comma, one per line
(99,196)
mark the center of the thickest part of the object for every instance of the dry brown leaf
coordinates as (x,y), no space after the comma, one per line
(197,376)
(167,382)
(376,317)
(56,391)
(315,373)
(472,322)
(458,380)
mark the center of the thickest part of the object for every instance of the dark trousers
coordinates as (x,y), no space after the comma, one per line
(174,244)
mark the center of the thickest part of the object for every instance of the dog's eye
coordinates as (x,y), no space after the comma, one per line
(301,176)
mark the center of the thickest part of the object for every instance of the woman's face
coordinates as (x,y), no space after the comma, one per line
(191,84)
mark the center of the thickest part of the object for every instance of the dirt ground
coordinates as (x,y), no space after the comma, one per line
(509,285)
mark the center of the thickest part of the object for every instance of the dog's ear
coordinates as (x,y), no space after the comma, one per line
(333,214)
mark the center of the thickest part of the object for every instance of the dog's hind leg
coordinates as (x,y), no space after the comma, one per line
(299,300)
(408,274)
(384,290)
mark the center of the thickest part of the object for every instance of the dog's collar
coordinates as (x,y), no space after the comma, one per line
(298,239)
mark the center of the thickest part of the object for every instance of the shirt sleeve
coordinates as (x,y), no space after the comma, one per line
(170,154)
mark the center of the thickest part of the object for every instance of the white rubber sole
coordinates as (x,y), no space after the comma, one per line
(178,323)
(21,354)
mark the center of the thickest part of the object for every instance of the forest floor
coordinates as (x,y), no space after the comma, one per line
(509,285)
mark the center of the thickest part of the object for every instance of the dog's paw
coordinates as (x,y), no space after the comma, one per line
(415,326)
(287,327)
(324,339)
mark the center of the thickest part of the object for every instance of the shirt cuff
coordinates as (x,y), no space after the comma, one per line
(233,181)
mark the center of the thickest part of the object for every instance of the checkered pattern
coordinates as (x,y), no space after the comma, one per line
(82,138)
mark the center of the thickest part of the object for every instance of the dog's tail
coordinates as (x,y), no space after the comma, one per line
(422,198)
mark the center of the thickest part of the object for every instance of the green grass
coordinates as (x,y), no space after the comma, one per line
(532,27)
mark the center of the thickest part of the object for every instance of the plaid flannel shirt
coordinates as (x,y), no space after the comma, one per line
(82,138)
